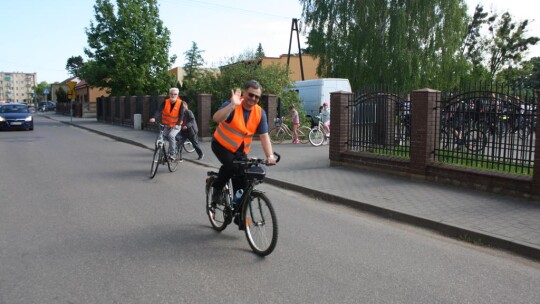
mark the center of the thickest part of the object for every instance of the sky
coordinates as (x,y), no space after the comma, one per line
(38,36)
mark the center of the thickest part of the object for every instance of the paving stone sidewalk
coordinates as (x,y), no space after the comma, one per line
(498,221)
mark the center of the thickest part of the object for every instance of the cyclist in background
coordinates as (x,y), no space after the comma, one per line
(172,115)
(295,123)
(239,119)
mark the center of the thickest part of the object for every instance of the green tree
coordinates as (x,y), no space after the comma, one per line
(534,77)
(193,61)
(73,65)
(405,42)
(128,51)
(61,95)
(503,46)
(259,53)
(40,88)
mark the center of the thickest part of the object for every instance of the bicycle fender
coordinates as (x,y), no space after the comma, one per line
(256,191)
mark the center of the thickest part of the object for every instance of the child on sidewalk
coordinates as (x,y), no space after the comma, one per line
(295,123)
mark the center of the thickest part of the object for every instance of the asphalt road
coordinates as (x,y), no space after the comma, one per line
(80,222)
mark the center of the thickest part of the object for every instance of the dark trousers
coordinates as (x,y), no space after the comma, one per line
(181,139)
(228,168)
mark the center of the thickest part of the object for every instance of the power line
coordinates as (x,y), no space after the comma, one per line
(236,9)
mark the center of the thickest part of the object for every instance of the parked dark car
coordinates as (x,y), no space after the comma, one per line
(45,106)
(16,116)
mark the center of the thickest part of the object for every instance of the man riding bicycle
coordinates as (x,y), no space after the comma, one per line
(239,119)
(172,116)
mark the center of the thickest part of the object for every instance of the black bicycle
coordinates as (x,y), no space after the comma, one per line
(161,154)
(253,212)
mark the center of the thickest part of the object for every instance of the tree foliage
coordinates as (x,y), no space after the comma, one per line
(61,95)
(407,42)
(259,53)
(502,47)
(128,49)
(73,65)
(40,88)
(193,62)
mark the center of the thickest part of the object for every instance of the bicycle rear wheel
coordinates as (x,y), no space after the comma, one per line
(303,134)
(218,214)
(276,135)
(261,224)
(188,146)
(155,162)
(316,137)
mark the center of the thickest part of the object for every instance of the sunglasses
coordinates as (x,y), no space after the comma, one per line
(251,95)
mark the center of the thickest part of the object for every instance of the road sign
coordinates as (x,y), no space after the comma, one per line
(46,91)
(71,84)
(72,94)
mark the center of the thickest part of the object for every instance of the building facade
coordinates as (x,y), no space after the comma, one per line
(17,86)
(309,65)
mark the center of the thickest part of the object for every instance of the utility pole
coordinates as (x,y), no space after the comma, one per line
(294,27)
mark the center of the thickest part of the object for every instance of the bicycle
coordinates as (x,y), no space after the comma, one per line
(253,211)
(161,154)
(318,133)
(473,139)
(188,146)
(278,133)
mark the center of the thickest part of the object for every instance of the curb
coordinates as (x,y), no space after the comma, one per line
(459,233)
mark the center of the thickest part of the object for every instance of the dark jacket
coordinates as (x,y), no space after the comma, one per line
(190,123)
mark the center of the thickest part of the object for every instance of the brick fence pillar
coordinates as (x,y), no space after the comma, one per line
(204,113)
(423,103)
(536,172)
(122,114)
(339,123)
(269,104)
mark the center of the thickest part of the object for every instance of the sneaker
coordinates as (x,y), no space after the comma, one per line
(200,157)
(295,141)
(172,159)
(180,159)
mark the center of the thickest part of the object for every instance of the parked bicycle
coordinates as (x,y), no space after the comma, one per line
(318,133)
(278,133)
(161,154)
(253,211)
(473,138)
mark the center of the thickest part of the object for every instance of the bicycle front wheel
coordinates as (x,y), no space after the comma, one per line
(261,224)
(172,165)
(188,146)
(276,135)
(475,140)
(316,137)
(218,214)
(155,162)
(303,134)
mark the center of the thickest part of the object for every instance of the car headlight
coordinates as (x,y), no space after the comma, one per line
(29,118)
(2,118)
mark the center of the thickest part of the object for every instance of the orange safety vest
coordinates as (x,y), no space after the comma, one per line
(169,117)
(231,135)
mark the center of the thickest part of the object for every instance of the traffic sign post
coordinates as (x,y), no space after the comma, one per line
(72,94)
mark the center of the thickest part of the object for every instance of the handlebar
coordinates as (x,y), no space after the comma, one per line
(254,161)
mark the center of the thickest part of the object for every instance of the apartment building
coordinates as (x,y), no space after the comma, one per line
(17,86)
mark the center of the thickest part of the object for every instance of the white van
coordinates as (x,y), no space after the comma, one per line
(314,93)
